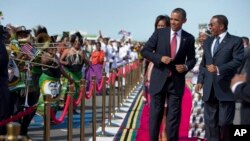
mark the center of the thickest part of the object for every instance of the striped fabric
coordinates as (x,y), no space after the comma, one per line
(131,123)
(29,50)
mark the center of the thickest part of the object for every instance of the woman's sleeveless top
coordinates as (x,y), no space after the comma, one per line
(75,62)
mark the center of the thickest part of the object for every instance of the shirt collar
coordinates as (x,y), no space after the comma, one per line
(178,32)
(222,35)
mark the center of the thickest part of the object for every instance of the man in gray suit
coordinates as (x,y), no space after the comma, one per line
(223,54)
(173,54)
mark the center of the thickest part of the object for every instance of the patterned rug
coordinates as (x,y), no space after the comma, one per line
(128,129)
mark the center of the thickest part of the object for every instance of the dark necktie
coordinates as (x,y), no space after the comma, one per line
(216,45)
(173,46)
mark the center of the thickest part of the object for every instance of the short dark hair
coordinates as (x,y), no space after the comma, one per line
(76,35)
(162,17)
(98,43)
(222,19)
(181,11)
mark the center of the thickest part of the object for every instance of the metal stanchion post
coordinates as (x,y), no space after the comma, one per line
(110,99)
(82,131)
(119,93)
(47,99)
(126,83)
(132,77)
(103,133)
(113,93)
(137,74)
(129,81)
(123,84)
(2,138)
(103,103)
(111,102)
(70,112)
(94,108)
(13,130)
(115,97)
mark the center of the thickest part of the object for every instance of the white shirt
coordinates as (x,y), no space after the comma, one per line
(233,88)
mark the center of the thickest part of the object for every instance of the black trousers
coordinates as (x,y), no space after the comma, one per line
(4,102)
(218,116)
(173,112)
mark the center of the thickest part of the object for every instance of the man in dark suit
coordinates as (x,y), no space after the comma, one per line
(4,94)
(240,86)
(242,68)
(223,54)
(173,54)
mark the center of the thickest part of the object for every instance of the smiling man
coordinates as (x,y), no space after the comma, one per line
(173,54)
(223,54)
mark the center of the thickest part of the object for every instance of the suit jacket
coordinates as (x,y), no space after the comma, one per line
(243,67)
(227,58)
(242,93)
(157,46)
(4,95)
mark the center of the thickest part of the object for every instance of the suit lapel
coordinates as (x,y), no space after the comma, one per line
(222,44)
(182,42)
(209,44)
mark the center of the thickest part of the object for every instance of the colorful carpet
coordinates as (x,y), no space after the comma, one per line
(143,130)
(128,129)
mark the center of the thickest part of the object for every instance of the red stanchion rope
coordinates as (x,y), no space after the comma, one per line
(120,72)
(99,88)
(90,92)
(18,116)
(78,101)
(61,118)
(109,79)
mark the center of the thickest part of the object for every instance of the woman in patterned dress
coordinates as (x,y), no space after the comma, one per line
(196,124)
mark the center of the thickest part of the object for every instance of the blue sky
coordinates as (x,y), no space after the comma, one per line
(110,16)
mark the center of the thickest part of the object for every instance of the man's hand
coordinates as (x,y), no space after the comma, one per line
(198,87)
(211,68)
(181,68)
(166,59)
(238,78)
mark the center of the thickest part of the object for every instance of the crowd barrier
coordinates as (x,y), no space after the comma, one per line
(118,86)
